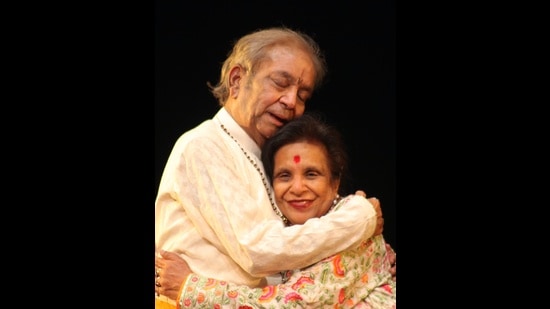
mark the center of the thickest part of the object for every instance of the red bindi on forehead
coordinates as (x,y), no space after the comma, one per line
(297,159)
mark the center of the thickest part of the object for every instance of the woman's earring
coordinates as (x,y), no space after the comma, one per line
(336,199)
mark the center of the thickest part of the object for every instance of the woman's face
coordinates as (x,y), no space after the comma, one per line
(302,181)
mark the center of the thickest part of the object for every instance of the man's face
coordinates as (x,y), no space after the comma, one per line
(276,93)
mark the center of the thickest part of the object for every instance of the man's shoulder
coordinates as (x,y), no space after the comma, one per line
(204,130)
(203,137)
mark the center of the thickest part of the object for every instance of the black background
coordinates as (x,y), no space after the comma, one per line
(358,96)
(102,91)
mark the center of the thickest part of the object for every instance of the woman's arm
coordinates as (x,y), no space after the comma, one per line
(347,278)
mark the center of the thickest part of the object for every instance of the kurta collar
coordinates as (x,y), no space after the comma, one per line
(223,117)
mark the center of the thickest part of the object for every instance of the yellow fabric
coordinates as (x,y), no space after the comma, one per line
(161,304)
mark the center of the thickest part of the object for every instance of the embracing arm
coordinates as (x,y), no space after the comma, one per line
(261,244)
(347,278)
(226,201)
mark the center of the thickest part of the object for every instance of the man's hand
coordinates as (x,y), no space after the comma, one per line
(379,219)
(170,271)
(392,256)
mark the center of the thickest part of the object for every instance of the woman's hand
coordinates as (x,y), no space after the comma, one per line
(392,257)
(170,274)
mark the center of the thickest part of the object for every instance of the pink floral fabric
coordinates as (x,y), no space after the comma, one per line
(356,278)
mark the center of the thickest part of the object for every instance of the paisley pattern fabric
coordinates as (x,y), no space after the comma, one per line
(356,278)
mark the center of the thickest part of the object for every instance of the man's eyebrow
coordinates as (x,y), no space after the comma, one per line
(292,79)
(286,75)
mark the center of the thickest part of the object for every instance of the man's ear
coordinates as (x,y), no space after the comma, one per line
(235,76)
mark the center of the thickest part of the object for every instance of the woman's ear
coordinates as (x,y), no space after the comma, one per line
(336,185)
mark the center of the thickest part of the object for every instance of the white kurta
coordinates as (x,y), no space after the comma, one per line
(212,208)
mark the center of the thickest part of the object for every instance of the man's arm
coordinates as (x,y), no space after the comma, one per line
(349,277)
(236,217)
